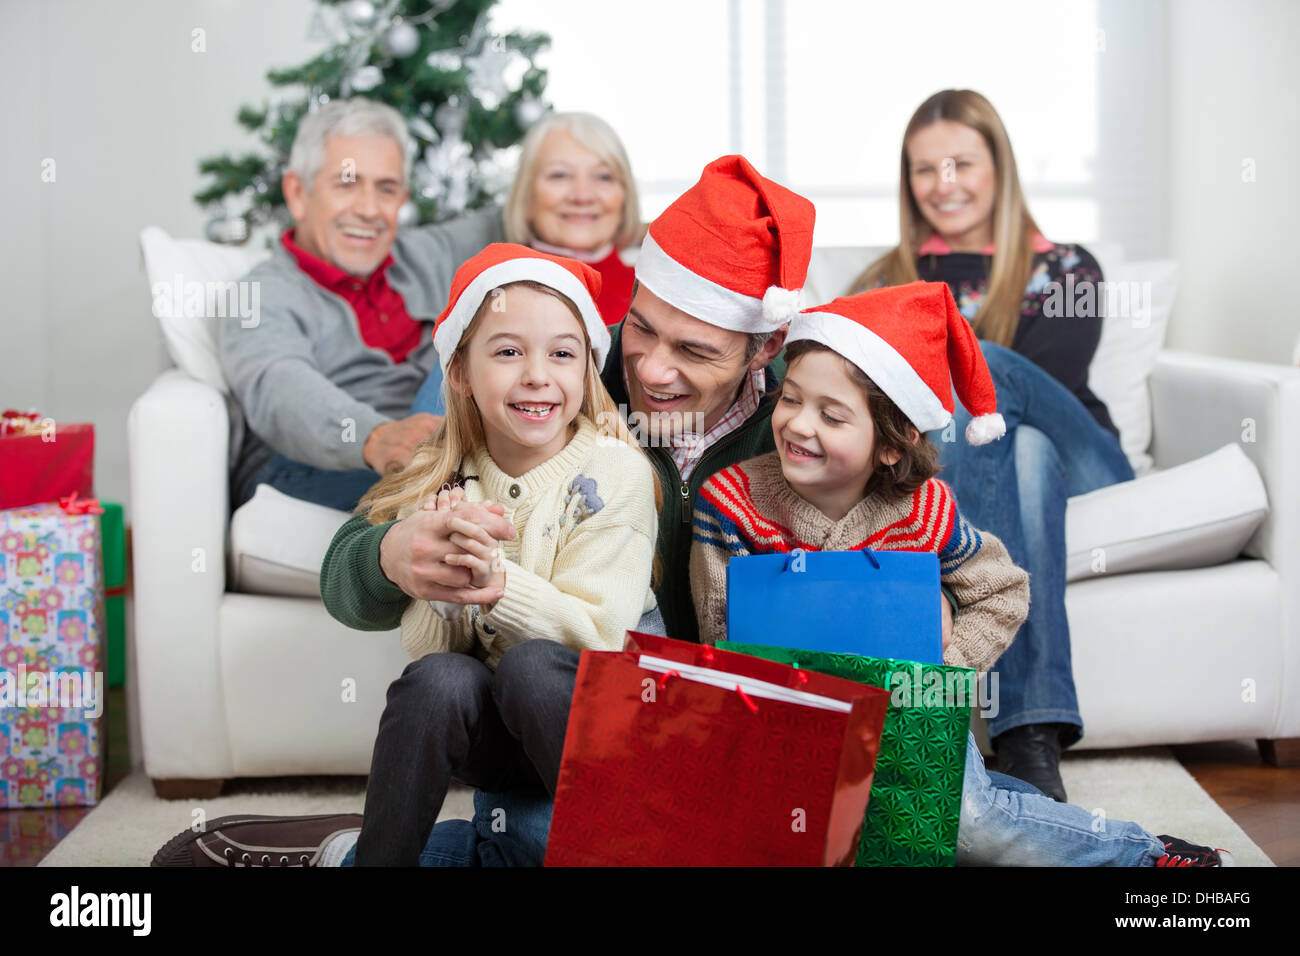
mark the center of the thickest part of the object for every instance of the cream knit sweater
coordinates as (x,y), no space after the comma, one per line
(578,571)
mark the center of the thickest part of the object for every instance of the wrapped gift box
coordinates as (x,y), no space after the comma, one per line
(113,531)
(42,460)
(52,682)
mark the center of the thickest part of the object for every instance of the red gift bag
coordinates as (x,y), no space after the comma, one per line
(46,466)
(680,754)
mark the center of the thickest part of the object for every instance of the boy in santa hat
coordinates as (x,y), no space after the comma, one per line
(866,377)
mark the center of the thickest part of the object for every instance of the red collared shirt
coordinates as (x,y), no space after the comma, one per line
(382,319)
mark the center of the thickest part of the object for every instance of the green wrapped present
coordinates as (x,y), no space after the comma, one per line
(113,530)
(916,794)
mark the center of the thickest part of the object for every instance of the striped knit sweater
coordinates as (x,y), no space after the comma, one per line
(750,509)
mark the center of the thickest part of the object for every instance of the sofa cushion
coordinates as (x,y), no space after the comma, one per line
(176,268)
(1140,295)
(277,544)
(1196,514)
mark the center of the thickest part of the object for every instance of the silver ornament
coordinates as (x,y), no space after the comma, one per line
(367,78)
(528,111)
(401,40)
(450,118)
(358,13)
(228,231)
(408,214)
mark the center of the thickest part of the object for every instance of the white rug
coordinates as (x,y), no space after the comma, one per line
(1147,785)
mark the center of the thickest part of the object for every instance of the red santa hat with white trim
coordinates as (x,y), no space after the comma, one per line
(732,250)
(914,344)
(502,263)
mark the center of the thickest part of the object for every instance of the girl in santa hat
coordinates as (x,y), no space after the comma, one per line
(867,376)
(530,427)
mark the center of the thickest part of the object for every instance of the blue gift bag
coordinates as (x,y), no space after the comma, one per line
(871,603)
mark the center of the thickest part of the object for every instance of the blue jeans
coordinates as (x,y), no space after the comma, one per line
(335,489)
(1016,488)
(1006,822)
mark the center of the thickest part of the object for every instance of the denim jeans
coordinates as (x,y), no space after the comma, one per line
(449,717)
(1016,488)
(429,398)
(323,486)
(1006,822)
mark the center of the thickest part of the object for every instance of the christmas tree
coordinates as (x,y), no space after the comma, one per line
(467,94)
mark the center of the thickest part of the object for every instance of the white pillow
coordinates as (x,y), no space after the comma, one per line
(1132,335)
(277,543)
(1194,515)
(171,265)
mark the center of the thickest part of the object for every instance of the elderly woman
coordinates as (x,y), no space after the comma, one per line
(573,196)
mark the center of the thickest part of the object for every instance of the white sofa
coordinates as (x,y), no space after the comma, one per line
(233,683)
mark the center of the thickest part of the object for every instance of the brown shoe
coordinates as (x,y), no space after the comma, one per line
(248,840)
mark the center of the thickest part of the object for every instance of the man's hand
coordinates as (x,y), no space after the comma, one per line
(946,611)
(389,446)
(413,554)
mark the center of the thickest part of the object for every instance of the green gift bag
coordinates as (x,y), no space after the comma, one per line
(916,794)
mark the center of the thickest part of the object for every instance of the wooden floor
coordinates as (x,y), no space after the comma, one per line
(1262,799)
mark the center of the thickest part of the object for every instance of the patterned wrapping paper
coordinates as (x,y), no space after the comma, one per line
(916,795)
(51,632)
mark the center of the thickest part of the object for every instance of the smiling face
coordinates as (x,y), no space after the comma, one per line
(577,199)
(954,182)
(525,367)
(349,218)
(825,434)
(680,368)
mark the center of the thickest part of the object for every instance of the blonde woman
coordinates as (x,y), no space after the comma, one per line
(574,196)
(963,221)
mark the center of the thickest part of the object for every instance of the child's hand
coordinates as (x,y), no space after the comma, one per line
(445,500)
(946,614)
(479,553)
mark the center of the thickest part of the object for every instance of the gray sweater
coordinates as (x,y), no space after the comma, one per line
(309,387)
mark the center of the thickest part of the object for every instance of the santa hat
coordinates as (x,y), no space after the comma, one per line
(732,250)
(912,342)
(502,263)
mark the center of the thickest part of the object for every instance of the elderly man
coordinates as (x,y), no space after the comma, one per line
(326,378)
(717,281)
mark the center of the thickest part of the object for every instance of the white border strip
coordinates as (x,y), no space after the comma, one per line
(697,296)
(552,274)
(751,685)
(878,360)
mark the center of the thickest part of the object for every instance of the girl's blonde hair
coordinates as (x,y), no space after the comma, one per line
(438,460)
(599,137)
(1013,227)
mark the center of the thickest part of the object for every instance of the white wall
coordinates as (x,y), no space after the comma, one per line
(112,92)
(1234,77)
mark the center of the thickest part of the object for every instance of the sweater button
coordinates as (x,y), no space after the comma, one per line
(514,491)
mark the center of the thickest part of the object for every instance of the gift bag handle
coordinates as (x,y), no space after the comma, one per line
(870,555)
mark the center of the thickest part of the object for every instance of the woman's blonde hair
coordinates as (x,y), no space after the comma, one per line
(438,460)
(1013,227)
(599,137)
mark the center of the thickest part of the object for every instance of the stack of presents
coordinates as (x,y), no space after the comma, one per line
(62,613)
(833,746)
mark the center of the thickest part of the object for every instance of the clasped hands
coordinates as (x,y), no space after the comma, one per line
(449,550)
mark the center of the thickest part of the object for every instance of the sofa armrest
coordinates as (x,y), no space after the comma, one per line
(1200,403)
(177,437)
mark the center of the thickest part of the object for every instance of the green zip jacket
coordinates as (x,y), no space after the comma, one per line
(752,438)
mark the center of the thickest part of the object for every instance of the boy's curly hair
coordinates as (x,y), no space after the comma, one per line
(919,459)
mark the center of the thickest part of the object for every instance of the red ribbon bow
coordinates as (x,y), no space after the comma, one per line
(73,504)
